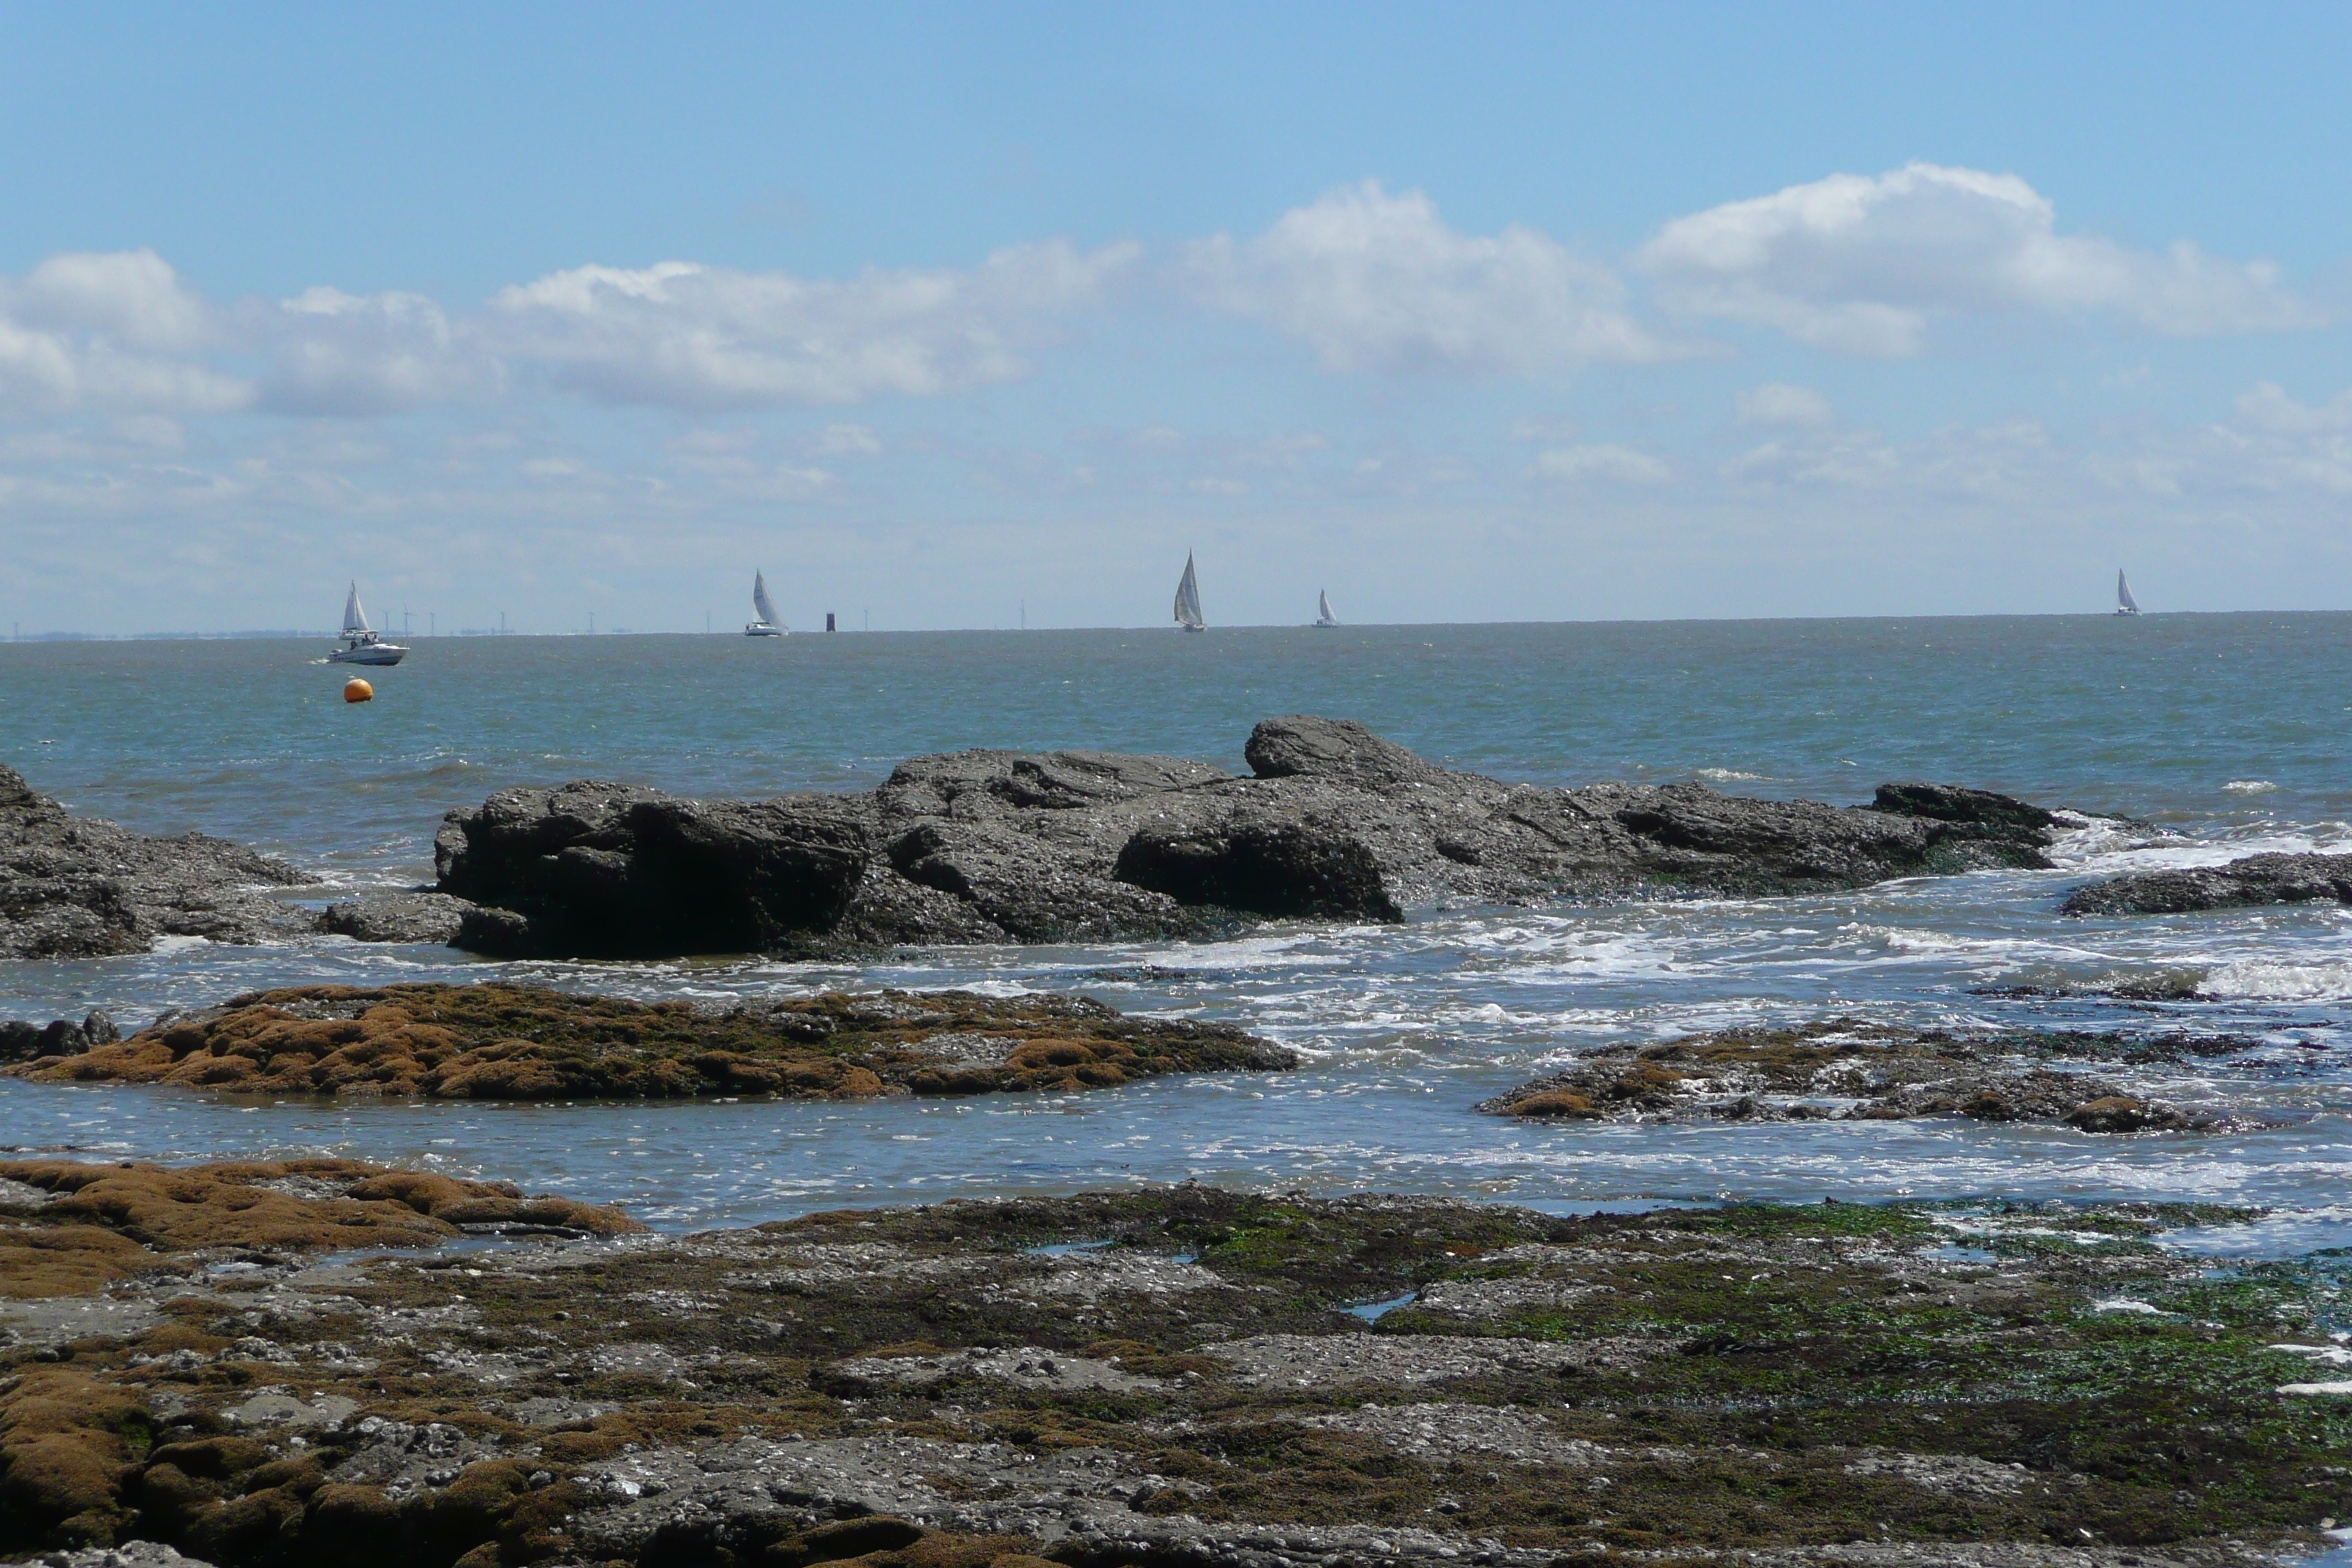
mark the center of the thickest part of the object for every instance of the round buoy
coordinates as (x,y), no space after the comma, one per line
(357,690)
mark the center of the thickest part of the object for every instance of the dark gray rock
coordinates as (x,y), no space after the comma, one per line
(412,917)
(2254,880)
(1090,847)
(23,1042)
(79,886)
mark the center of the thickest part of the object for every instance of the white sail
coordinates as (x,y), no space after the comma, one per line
(1188,597)
(1323,616)
(761,602)
(2124,603)
(354,618)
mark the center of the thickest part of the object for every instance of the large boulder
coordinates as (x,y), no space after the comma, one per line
(80,887)
(1334,823)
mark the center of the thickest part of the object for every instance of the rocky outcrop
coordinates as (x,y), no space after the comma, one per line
(1845,1069)
(1334,823)
(79,886)
(520,1042)
(2254,880)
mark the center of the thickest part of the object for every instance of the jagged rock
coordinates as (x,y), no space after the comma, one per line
(80,887)
(24,1042)
(1086,847)
(412,917)
(2256,879)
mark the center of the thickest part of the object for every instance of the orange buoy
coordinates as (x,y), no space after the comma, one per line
(357,690)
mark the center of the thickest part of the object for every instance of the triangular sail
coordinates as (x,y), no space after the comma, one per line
(1188,596)
(354,618)
(1323,606)
(761,602)
(2123,601)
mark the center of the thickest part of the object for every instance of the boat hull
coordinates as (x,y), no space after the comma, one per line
(379,655)
(756,630)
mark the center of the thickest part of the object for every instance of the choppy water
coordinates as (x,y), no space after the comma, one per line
(2228,731)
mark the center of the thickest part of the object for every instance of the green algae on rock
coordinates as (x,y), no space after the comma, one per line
(498,1041)
(1846,1070)
(1167,1376)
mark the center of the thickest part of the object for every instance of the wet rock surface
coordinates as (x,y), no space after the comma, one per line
(2256,881)
(415,916)
(1849,1069)
(513,1042)
(1335,823)
(80,887)
(917,1388)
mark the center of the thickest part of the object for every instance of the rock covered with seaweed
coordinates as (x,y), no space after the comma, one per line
(1167,1376)
(496,1041)
(1333,822)
(80,887)
(1850,1070)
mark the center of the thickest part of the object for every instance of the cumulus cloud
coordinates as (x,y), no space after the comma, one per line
(1620,465)
(1372,282)
(1863,265)
(1777,402)
(684,334)
(111,330)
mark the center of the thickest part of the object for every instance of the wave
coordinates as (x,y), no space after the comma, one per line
(2250,786)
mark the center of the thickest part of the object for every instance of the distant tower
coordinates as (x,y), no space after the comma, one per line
(828,620)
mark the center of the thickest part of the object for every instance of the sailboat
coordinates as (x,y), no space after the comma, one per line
(766,624)
(1188,599)
(2125,604)
(360,645)
(1323,616)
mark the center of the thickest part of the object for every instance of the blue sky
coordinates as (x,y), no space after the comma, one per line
(1463,313)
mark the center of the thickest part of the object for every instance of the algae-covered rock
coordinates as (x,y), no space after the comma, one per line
(1169,1376)
(1851,1070)
(512,1042)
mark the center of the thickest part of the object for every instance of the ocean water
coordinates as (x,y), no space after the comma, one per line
(2195,739)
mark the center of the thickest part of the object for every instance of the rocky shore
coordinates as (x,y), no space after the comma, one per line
(517,1042)
(1167,1376)
(80,887)
(2254,880)
(1334,823)
(1848,1069)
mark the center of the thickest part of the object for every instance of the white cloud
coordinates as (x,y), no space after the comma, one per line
(1622,465)
(1863,265)
(1777,402)
(1376,282)
(117,331)
(682,335)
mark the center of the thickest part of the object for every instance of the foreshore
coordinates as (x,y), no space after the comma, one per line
(315,1362)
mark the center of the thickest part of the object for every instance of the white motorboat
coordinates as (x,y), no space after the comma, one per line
(764,608)
(1323,616)
(360,645)
(1188,599)
(2125,604)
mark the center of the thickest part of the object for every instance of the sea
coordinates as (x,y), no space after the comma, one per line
(2182,739)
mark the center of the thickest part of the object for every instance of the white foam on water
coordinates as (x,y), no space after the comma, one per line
(2259,979)
(2250,786)
(1733,776)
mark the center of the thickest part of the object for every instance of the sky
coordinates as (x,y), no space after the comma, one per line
(955,316)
